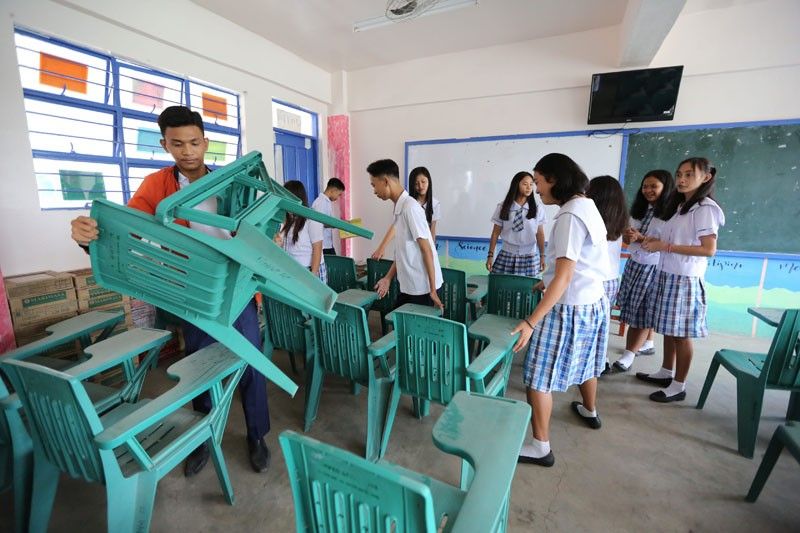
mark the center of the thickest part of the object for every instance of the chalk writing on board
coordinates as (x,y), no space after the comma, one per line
(725,265)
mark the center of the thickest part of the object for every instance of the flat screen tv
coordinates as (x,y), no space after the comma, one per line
(634,95)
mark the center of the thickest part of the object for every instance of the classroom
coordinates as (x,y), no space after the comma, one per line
(475,91)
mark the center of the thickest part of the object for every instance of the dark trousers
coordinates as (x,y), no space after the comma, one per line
(421,299)
(329,251)
(253,385)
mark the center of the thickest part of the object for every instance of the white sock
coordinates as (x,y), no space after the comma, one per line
(627,359)
(584,412)
(647,345)
(674,388)
(662,373)
(536,450)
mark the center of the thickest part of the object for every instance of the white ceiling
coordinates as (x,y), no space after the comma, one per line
(321,31)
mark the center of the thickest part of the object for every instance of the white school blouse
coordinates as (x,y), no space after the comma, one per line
(704,218)
(324,205)
(410,224)
(526,237)
(302,249)
(614,251)
(579,234)
(637,253)
(437,210)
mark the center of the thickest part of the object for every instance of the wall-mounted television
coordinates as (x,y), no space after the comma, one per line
(634,95)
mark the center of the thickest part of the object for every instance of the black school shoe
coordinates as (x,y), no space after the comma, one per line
(591,421)
(259,455)
(196,460)
(661,397)
(661,382)
(546,461)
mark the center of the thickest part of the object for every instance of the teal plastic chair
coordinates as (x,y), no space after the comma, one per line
(284,330)
(205,280)
(335,490)
(341,272)
(16,449)
(432,363)
(453,294)
(129,448)
(512,296)
(376,269)
(784,436)
(754,372)
(343,348)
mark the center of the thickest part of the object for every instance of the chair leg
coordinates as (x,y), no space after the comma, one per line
(222,471)
(355,388)
(314,393)
(379,394)
(130,502)
(793,411)
(391,412)
(767,463)
(22,475)
(293,362)
(749,399)
(421,407)
(45,484)
(712,373)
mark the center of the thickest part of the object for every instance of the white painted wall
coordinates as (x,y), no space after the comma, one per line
(741,64)
(176,36)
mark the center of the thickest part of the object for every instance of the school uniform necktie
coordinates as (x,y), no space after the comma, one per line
(517,224)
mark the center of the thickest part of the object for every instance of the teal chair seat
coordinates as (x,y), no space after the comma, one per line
(129,448)
(778,369)
(335,490)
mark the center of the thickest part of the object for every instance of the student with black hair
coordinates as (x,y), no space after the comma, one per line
(419,180)
(519,221)
(638,286)
(568,330)
(324,204)
(685,242)
(302,238)
(416,263)
(184,139)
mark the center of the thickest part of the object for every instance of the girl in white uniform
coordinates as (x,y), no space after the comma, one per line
(568,330)
(302,238)
(638,286)
(685,242)
(518,220)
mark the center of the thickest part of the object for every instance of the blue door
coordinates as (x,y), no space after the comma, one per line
(296,155)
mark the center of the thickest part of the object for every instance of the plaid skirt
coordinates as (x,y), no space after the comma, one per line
(680,306)
(636,296)
(611,286)
(567,347)
(520,265)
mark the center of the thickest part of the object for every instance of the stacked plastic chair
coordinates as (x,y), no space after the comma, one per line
(205,280)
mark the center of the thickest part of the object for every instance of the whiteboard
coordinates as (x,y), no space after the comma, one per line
(471,176)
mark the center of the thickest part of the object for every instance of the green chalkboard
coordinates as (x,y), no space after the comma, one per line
(758,178)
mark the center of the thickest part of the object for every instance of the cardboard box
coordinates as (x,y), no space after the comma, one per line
(37,283)
(83,278)
(112,299)
(90,293)
(43,307)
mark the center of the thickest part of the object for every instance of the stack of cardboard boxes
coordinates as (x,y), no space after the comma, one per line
(93,297)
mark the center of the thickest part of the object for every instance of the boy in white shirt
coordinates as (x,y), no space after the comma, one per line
(324,205)
(416,264)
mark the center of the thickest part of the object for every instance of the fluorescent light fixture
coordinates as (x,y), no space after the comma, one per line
(440,7)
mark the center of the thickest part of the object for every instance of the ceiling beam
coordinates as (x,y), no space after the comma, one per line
(644,27)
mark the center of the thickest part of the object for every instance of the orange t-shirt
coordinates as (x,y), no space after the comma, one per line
(154,188)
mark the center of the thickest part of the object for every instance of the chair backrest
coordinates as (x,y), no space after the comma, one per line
(376,269)
(432,356)
(284,326)
(61,418)
(341,345)
(335,490)
(512,296)
(341,272)
(453,294)
(783,358)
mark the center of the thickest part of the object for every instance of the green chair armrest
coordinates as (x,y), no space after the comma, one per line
(496,331)
(488,359)
(10,402)
(381,347)
(196,374)
(115,350)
